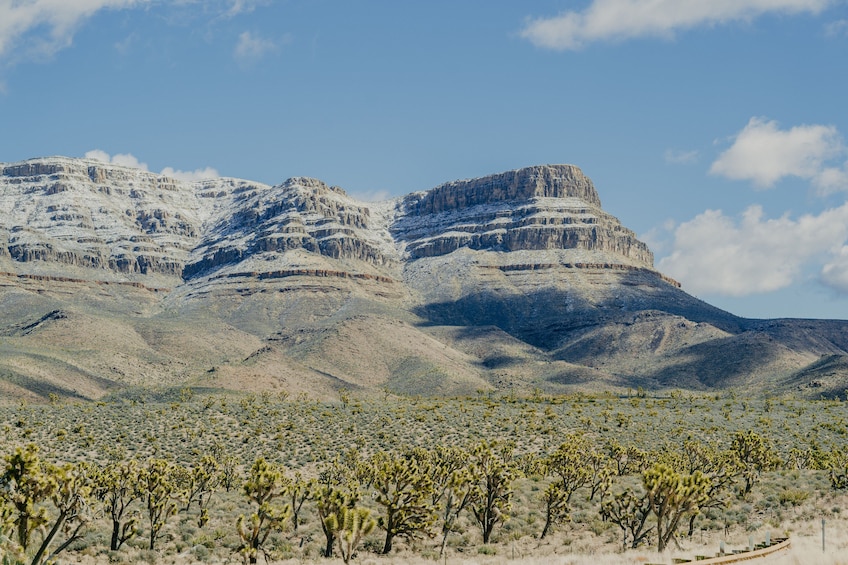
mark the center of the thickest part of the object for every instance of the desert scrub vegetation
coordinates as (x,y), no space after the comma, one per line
(223,478)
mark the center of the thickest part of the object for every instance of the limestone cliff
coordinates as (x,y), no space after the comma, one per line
(300,214)
(538,208)
(116,221)
(107,220)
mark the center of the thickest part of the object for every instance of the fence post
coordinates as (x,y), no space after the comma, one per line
(823,535)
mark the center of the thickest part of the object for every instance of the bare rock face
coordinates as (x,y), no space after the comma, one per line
(539,208)
(545,181)
(114,221)
(85,214)
(301,214)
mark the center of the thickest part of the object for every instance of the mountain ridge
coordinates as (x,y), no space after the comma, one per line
(297,273)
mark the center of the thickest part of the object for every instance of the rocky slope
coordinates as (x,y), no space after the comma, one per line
(114,278)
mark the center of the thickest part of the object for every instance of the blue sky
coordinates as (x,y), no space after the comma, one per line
(715,130)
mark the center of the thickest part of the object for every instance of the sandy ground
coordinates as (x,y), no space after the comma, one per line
(805,550)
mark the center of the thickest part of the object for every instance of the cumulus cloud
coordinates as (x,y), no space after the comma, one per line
(47,26)
(832,179)
(197,174)
(835,271)
(129,160)
(764,154)
(252,47)
(714,253)
(122,159)
(605,20)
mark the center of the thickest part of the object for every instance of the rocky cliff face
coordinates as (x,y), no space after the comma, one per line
(540,208)
(301,214)
(109,220)
(114,221)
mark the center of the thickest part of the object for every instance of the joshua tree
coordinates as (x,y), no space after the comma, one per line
(570,465)
(556,506)
(453,486)
(298,492)
(158,492)
(403,489)
(350,525)
(265,483)
(672,496)
(27,485)
(117,487)
(199,483)
(753,455)
(630,513)
(494,472)
(332,500)
(70,499)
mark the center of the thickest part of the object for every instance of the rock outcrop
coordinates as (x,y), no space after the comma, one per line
(115,220)
(538,208)
(301,214)
(108,220)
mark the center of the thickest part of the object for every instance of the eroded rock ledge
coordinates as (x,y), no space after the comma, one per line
(103,218)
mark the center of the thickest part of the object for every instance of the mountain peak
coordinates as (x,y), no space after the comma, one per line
(541,181)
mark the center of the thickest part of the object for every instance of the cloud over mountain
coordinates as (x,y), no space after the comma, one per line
(716,253)
(130,160)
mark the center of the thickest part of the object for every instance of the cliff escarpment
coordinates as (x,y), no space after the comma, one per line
(515,280)
(538,208)
(301,214)
(103,219)
(551,181)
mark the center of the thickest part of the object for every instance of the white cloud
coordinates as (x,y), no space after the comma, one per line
(832,179)
(122,159)
(714,253)
(626,19)
(835,272)
(129,160)
(124,46)
(764,154)
(657,238)
(47,26)
(250,48)
(224,8)
(678,157)
(189,176)
(35,29)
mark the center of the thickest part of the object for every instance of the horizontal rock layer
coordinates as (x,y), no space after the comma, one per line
(538,223)
(111,220)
